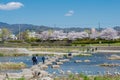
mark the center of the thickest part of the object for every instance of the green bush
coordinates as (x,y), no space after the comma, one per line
(34,44)
(15,41)
(98,78)
(16,79)
(86,78)
(1,54)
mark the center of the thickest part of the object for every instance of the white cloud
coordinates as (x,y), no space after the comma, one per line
(11,6)
(69,13)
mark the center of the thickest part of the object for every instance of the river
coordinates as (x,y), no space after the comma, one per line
(88,68)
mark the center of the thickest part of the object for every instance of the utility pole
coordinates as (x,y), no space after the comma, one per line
(99,26)
(19,32)
(99,31)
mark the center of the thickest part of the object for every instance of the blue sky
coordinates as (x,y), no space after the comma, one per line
(62,13)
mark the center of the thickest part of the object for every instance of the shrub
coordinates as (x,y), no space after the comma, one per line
(11,65)
(15,41)
(34,44)
(17,79)
(1,54)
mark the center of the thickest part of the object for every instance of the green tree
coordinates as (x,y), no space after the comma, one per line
(5,34)
(23,35)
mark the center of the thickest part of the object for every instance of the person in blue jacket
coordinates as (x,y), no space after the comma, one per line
(34,59)
(43,59)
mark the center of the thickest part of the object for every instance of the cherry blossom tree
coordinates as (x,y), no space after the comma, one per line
(76,35)
(109,33)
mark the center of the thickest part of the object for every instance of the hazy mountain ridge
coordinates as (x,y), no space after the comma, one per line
(15,28)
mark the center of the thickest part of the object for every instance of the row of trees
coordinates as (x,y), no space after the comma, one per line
(6,34)
(107,34)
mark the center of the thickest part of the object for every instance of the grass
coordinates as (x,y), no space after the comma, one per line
(17,79)
(82,55)
(73,77)
(84,77)
(50,49)
(1,54)
(13,54)
(57,49)
(109,65)
(117,77)
(11,65)
(105,44)
(44,54)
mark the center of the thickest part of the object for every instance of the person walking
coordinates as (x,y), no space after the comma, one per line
(43,59)
(34,59)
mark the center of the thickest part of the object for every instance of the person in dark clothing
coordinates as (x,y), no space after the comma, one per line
(96,48)
(70,54)
(34,59)
(43,59)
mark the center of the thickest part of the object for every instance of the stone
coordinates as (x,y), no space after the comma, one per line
(86,60)
(43,73)
(27,73)
(14,75)
(46,78)
(2,76)
(59,63)
(78,61)
(43,67)
(55,66)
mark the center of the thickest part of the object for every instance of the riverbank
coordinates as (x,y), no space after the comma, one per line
(84,77)
(7,51)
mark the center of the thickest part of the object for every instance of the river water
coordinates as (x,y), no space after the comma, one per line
(88,68)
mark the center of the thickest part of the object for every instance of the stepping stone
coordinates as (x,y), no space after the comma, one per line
(78,61)
(55,66)
(59,63)
(43,67)
(86,60)
(46,78)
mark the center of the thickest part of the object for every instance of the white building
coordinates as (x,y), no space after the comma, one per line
(13,37)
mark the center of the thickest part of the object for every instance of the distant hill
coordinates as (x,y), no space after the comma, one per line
(15,28)
(117,28)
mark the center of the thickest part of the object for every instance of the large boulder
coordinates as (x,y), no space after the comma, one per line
(43,73)
(27,73)
(2,76)
(14,75)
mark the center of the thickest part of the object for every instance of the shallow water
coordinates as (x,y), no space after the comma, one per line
(89,68)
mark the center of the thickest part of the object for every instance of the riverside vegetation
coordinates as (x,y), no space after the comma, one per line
(82,77)
(33,42)
(11,65)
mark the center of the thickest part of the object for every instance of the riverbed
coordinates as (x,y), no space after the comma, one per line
(88,68)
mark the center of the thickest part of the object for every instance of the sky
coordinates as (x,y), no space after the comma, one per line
(61,13)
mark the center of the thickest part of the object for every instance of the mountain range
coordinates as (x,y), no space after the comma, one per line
(15,28)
